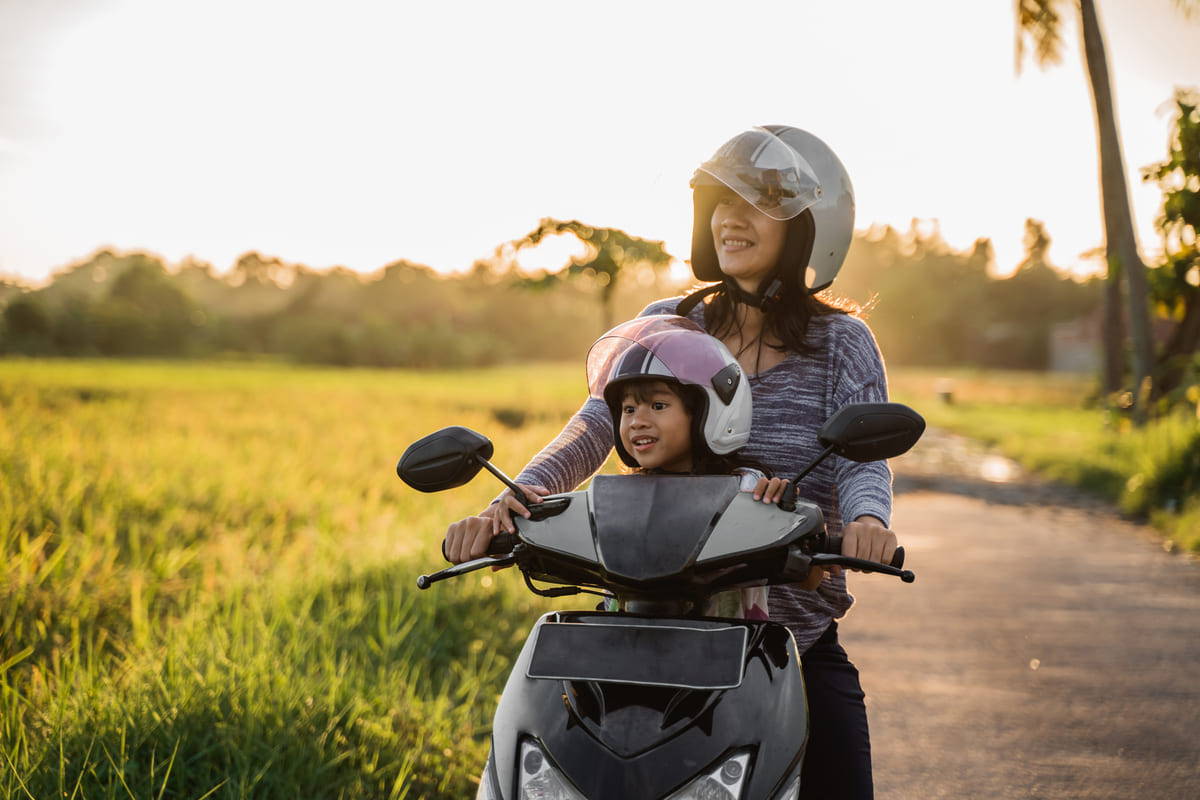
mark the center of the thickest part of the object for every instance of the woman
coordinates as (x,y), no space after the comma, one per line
(774,216)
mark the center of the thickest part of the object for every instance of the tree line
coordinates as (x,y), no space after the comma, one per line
(928,304)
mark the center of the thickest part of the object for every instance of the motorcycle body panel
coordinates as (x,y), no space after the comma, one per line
(647,739)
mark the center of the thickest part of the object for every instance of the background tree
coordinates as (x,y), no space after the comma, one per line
(1175,286)
(146,313)
(27,327)
(609,253)
(1041,22)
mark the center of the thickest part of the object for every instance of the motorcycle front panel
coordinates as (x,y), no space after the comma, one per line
(646,738)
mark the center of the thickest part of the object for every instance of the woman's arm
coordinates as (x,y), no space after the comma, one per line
(863,489)
(576,453)
(568,460)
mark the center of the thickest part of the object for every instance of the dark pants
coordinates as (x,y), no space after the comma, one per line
(837,764)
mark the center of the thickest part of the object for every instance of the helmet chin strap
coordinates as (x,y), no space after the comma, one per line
(765,299)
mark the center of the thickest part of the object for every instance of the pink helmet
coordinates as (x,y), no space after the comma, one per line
(673,348)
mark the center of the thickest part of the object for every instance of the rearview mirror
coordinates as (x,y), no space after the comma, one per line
(444,459)
(872,431)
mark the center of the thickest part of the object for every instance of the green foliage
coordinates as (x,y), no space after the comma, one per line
(1175,284)
(27,327)
(207,580)
(207,571)
(404,315)
(1048,424)
(929,305)
(610,254)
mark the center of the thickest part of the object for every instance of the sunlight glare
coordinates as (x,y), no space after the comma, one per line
(552,254)
(997,469)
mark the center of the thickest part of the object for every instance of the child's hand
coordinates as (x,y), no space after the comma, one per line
(770,490)
(507,505)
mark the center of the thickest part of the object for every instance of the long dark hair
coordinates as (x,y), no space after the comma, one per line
(787,318)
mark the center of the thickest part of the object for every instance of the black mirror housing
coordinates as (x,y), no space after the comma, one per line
(872,431)
(445,459)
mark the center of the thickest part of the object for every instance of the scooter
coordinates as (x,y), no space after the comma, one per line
(656,700)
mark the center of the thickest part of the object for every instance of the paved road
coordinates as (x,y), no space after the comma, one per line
(1048,648)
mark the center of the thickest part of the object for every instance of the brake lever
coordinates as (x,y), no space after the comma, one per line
(829,560)
(425,581)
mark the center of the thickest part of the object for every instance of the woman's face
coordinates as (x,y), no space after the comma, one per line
(749,243)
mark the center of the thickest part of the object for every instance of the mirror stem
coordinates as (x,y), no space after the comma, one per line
(507,481)
(788,501)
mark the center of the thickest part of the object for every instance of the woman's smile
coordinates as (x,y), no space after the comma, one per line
(748,242)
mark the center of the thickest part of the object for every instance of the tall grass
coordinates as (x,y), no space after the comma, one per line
(208,582)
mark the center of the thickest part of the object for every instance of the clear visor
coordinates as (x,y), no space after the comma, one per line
(764,172)
(678,344)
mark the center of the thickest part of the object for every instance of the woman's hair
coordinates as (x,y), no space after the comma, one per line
(787,318)
(704,461)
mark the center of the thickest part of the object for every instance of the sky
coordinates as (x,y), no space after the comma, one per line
(362,132)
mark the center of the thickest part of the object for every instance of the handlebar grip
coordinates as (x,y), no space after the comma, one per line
(833,545)
(502,543)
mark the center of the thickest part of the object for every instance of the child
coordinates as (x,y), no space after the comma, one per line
(680,404)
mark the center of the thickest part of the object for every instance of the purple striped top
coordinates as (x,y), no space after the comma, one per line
(791,400)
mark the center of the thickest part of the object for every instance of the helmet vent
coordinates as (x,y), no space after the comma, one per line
(725,382)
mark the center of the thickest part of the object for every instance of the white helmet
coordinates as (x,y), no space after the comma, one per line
(675,349)
(788,174)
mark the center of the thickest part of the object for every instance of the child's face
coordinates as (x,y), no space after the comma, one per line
(656,428)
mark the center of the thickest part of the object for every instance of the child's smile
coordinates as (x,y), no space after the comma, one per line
(656,429)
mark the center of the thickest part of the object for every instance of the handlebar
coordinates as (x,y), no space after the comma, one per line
(501,544)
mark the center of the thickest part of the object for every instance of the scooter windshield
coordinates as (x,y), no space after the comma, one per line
(652,527)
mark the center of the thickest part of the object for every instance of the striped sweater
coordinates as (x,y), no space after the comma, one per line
(791,400)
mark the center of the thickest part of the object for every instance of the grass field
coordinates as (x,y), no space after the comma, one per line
(1046,423)
(208,580)
(207,584)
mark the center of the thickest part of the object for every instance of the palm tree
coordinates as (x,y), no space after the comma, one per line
(1040,22)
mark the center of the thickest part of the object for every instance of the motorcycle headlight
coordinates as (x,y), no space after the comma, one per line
(541,780)
(722,782)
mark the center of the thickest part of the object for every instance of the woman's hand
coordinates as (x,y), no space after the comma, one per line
(869,539)
(770,490)
(468,538)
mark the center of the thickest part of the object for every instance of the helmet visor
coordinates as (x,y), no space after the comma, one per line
(765,172)
(675,347)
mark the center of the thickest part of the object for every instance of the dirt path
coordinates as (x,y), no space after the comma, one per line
(1048,649)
